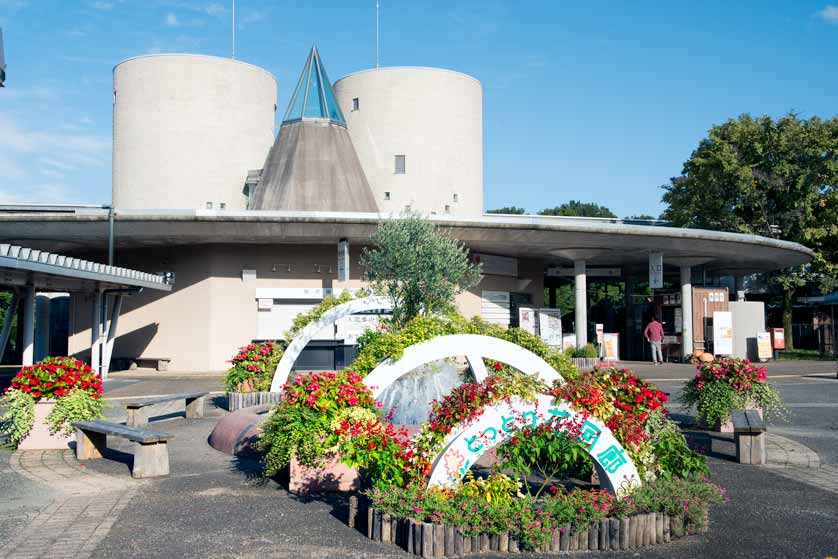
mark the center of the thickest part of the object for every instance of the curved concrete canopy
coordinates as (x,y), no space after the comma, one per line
(523,236)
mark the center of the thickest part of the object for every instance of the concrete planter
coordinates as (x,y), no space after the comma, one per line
(39,438)
(334,476)
(585,363)
(239,400)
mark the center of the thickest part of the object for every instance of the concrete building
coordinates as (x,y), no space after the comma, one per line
(419,134)
(187,129)
(243,272)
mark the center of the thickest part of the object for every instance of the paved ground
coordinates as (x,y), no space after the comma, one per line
(214,506)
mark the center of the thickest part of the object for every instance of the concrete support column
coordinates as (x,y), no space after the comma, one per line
(11,313)
(581,291)
(687,311)
(96,333)
(28,353)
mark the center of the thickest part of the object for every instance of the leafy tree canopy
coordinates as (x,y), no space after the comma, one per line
(773,178)
(579,209)
(508,210)
(641,217)
(419,268)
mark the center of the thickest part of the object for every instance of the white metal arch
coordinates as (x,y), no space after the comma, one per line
(292,352)
(474,347)
(616,470)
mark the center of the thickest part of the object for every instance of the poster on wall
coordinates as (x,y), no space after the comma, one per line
(526,319)
(656,270)
(764,346)
(722,333)
(611,346)
(568,341)
(679,320)
(550,326)
(343,260)
(600,330)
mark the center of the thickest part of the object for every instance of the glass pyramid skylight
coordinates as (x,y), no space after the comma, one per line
(313,97)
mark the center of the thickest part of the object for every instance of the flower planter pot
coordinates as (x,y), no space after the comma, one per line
(239,400)
(39,438)
(334,476)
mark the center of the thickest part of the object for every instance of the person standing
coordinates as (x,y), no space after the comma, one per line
(654,335)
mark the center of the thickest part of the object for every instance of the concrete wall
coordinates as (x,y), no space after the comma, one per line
(431,116)
(212,311)
(187,129)
(748,318)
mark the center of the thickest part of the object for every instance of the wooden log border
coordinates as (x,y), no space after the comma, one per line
(239,400)
(436,540)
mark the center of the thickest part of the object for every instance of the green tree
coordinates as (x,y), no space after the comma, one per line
(508,210)
(765,177)
(579,209)
(419,268)
(641,217)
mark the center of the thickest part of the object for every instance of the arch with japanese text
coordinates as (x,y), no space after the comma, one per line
(498,423)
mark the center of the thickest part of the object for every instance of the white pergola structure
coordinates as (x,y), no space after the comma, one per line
(29,272)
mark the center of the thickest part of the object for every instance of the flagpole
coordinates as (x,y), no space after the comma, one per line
(234,29)
(377,33)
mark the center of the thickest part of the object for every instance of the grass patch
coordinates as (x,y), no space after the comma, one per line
(805,355)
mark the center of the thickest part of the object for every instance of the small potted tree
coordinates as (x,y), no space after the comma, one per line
(45,398)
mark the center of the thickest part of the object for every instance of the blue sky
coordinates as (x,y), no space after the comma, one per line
(599,101)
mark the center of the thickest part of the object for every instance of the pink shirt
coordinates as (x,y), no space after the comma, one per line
(654,331)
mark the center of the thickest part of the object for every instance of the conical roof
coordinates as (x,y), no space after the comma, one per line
(313,97)
(313,165)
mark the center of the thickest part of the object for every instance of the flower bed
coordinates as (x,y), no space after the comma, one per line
(249,377)
(45,398)
(724,385)
(439,523)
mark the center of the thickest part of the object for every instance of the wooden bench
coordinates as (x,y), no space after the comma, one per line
(140,411)
(749,435)
(151,456)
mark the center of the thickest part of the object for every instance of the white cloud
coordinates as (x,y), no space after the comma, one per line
(250,17)
(27,152)
(171,20)
(103,5)
(829,14)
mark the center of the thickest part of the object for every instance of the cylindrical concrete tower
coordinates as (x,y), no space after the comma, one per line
(187,129)
(419,135)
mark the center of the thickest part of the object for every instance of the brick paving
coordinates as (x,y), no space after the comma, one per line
(798,462)
(84,507)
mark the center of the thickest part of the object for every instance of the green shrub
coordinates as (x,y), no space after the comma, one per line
(20,415)
(300,426)
(77,405)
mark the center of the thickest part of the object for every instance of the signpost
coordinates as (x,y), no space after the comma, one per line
(722,333)
(655,270)
(550,326)
(611,346)
(526,319)
(764,346)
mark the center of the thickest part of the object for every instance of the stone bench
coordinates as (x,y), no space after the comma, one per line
(139,411)
(151,454)
(133,363)
(749,436)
